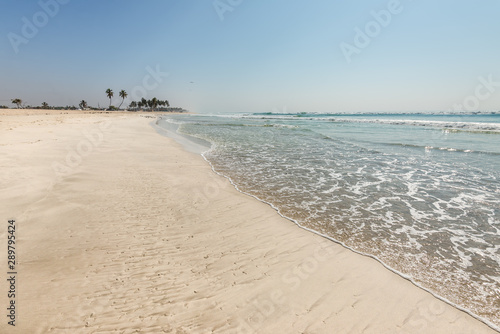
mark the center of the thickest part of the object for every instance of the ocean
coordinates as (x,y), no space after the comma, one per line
(419,192)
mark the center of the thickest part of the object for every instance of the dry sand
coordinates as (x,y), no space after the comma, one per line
(120,230)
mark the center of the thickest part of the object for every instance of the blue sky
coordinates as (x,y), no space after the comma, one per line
(254,56)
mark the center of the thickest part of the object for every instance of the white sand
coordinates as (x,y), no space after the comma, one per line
(139,236)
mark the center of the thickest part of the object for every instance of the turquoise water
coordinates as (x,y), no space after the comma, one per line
(419,192)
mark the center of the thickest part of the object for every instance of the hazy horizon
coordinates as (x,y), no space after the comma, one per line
(242,56)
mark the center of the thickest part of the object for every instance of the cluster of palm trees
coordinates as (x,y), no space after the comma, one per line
(109,93)
(143,103)
(152,104)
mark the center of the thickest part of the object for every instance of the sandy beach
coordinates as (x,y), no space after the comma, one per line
(120,230)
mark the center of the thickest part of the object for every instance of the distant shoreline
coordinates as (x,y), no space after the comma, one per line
(29,112)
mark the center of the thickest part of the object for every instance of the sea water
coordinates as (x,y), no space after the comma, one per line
(420,192)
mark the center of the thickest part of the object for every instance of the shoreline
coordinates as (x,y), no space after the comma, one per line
(144,235)
(387,267)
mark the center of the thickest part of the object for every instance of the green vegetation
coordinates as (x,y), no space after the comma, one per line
(83,104)
(17,102)
(123,94)
(109,94)
(153,104)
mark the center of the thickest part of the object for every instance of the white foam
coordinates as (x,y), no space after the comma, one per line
(409,278)
(362,193)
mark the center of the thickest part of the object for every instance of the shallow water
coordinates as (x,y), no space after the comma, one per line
(420,192)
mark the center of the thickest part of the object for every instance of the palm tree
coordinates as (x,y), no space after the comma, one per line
(144,102)
(109,94)
(83,104)
(17,102)
(133,105)
(123,94)
(45,105)
(154,103)
(162,103)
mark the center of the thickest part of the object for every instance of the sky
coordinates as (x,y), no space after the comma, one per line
(254,55)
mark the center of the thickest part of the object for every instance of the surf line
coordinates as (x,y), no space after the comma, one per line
(402,275)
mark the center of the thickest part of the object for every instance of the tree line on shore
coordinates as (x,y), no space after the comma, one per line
(153,104)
